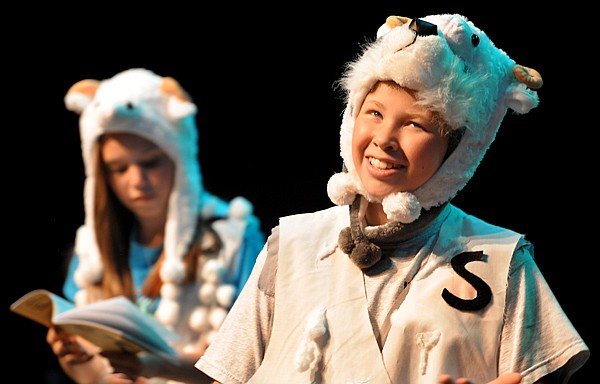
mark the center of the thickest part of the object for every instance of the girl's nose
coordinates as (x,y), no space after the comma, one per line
(139,177)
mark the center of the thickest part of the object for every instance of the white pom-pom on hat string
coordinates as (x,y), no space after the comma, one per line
(240,208)
(172,271)
(88,274)
(170,291)
(216,316)
(341,188)
(207,293)
(167,312)
(213,271)
(81,297)
(402,206)
(225,295)
(199,320)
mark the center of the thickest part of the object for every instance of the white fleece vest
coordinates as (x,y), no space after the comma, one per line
(321,328)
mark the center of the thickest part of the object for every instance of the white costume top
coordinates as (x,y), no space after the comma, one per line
(332,323)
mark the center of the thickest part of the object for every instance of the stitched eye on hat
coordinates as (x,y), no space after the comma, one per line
(128,108)
(460,36)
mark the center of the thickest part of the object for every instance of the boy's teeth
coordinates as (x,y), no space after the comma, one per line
(380,164)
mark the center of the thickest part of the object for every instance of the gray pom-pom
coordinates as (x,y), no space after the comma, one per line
(365,254)
(345,241)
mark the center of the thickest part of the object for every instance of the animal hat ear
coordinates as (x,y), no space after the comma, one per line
(180,103)
(518,97)
(81,94)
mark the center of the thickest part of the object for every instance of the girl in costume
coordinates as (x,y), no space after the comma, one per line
(151,232)
(395,284)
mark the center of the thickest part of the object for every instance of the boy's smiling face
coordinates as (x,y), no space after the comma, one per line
(397,145)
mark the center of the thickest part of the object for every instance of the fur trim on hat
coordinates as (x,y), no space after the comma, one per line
(457,72)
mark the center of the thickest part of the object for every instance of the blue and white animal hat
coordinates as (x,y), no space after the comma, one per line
(457,72)
(157,108)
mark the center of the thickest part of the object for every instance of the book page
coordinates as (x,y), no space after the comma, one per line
(108,339)
(122,322)
(41,306)
(114,325)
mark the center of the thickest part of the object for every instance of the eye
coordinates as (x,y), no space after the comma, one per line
(154,161)
(425,127)
(117,169)
(474,40)
(417,125)
(151,163)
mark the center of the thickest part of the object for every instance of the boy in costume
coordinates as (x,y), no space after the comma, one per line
(395,284)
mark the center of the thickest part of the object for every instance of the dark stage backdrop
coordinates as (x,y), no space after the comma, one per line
(269,117)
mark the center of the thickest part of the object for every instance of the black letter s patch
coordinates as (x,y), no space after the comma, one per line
(484,293)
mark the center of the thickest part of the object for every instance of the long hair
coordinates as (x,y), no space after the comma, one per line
(113,226)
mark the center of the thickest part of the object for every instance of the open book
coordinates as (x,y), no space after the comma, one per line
(114,325)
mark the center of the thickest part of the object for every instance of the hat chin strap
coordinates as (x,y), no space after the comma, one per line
(367,249)
(355,244)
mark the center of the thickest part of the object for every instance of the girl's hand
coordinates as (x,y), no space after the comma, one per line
(67,347)
(126,364)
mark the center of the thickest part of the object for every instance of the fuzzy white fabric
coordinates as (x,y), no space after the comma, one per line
(141,102)
(471,86)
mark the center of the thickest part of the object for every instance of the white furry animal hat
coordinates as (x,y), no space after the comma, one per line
(140,102)
(458,72)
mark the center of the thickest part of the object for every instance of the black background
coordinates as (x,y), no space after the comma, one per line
(269,116)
